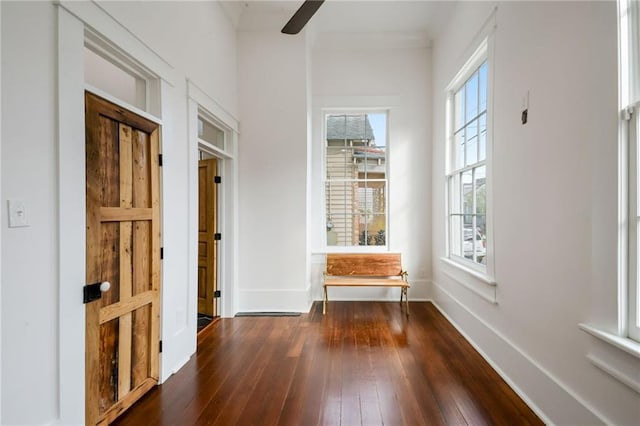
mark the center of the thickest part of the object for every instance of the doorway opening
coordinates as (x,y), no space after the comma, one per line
(213,176)
(209,237)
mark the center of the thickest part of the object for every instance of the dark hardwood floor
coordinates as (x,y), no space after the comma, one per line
(364,363)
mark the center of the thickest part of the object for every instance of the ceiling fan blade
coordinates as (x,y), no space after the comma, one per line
(302,16)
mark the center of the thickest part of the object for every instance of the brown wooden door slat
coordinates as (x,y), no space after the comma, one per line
(120,214)
(116,310)
(141,197)
(126,264)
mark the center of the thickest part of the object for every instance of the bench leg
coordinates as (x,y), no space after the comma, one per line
(406,299)
(324,302)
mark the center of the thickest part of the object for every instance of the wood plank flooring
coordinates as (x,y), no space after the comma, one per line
(364,363)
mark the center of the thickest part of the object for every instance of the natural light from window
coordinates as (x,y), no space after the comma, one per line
(356,179)
(467,180)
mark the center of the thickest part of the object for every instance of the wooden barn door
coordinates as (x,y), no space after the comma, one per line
(207,244)
(123,248)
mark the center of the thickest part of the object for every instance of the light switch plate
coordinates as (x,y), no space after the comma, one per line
(17,214)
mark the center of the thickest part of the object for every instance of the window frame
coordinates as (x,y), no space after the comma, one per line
(325,181)
(632,329)
(483,53)
(629,135)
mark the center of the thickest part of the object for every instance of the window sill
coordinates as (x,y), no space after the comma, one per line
(475,281)
(353,249)
(475,274)
(623,373)
(623,343)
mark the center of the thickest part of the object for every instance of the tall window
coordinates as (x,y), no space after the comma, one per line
(356,179)
(467,168)
(629,24)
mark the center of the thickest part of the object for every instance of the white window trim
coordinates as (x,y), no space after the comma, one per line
(354,249)
(629,326)
(628,184)
(482,276)
(629,168)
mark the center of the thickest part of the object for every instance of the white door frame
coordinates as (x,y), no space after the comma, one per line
(75,20)
(200,103)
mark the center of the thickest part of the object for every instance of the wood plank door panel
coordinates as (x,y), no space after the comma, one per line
(207,245)
(123,247)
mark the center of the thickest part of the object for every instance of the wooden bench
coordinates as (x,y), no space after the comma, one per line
(365,270)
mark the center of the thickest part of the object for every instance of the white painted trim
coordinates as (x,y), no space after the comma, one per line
(478,284)
(625,344)
(213,150)
(71,218)
(531,380)
(475,274)
(199,103)
(101,22)
(347,109)
(471,65)
(212,106)
(623,189)
(74,18)
(480,50)
(615,373)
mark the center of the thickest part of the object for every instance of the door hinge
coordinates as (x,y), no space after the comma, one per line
(217,179)
(160,346)
(160,160)
(216,293)
(217,236)
(627,113)
(161,253)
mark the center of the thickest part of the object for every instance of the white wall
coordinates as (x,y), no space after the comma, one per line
(194,37)
(29,259)
(272,167)
(348,73)
(555,208)
(194,40)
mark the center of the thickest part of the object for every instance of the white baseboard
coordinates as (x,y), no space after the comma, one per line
(544,393)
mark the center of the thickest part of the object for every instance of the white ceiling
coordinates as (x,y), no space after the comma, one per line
(346,16)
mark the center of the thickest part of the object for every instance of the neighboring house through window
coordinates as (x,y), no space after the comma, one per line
(356,179)
(467,167)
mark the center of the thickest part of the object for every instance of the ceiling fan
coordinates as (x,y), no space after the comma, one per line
(302,16)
